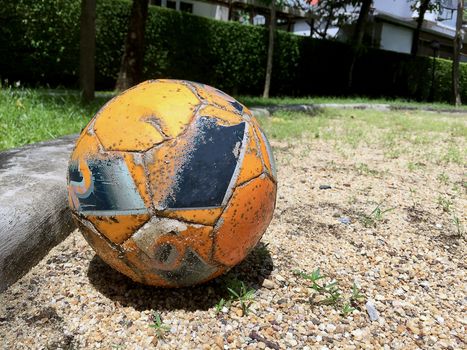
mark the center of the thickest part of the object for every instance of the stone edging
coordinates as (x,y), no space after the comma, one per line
(34,215)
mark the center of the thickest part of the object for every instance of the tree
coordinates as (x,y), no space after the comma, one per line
(362,20)
(456,96)
(272,30)
(357,37)
(326,14)
(422,7)
(87,49)
(131,69)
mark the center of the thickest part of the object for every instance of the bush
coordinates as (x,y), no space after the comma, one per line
(39,45)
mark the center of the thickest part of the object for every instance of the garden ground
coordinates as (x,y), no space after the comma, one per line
(374,200)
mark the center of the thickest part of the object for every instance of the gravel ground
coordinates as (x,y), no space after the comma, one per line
(409,264)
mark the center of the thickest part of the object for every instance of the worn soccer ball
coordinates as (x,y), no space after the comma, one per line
(172,183)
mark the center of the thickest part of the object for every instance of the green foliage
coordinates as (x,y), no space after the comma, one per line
(28,115)
(240,292)
(330,290)
(159,327)
(39,40)
(444,203)
(331,294)
(39,44)
(377,215)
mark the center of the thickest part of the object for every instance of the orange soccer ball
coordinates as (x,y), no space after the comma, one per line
(172,183)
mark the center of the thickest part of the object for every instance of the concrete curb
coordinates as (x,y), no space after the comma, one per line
(34,215)
(265,111)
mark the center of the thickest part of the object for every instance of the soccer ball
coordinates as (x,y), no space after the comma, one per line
(172,183)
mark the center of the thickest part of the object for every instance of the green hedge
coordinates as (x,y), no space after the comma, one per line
(39,45)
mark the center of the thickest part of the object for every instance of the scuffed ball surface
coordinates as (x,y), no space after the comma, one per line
(172,183)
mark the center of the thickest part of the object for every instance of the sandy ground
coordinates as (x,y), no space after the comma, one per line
(408,262)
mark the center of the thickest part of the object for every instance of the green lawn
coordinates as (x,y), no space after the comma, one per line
(422,136)
(28,116)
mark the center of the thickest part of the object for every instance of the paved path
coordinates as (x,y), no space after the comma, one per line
(313,108)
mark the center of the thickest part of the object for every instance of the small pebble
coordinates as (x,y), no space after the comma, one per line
(371,310)
(268,284)
(344,220)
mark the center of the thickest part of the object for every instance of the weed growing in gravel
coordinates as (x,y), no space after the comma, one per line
(240,292)
(364,169)
(347,309)
(331,292)
(458,225)
(356,296)
(375,216)
(415,202)
(159,327)
(444,203)
(443,178)
(219,306)
(415,166)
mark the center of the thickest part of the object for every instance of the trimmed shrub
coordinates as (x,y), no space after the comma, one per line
(39,45)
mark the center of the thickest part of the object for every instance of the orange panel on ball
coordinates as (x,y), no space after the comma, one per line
(145,115)
(199,239)
(252,166)
(264,150)
(163,163)
(219,98)
(110,254)
(245,220)
(229,117)
(199,216)
(143,264)
(118,228)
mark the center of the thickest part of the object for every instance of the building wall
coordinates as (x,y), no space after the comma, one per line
(396,38)
(208,10)
(400,8)
(300,27)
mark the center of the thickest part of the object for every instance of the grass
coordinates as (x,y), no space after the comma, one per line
(28,116)
(423,136)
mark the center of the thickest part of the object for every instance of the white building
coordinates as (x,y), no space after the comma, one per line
(392,22)
(395,21)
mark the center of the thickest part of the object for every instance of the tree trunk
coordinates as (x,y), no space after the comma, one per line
(456,94)
(272,29)
(87,49)
(131,69)
(357,37)
(421,17)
